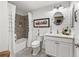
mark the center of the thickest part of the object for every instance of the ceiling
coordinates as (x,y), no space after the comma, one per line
(32,5)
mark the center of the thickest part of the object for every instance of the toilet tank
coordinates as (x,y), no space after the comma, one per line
(40,38)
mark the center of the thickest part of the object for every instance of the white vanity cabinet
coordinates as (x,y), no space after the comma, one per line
(50,47)
(65,49)
(59,46)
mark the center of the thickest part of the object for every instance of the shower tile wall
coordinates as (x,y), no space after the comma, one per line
(21,26)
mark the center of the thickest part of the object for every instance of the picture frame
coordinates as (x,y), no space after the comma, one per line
(41,23)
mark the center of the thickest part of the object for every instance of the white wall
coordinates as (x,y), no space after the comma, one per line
(76,29)
(48,12)
(21,12)
(11,32)
(3,25)
(30,37)
(37,14)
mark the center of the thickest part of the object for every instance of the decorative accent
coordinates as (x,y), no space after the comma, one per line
(58,18)
(57,6)
(76,13)
(62,4)
(66,31)
(41,23)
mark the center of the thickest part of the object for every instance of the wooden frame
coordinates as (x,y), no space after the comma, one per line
(41,23)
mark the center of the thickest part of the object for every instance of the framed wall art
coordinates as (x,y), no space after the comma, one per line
(41,23)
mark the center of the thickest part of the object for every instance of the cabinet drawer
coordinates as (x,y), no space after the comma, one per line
(65,40)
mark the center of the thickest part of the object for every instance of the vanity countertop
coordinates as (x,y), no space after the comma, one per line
(59,35)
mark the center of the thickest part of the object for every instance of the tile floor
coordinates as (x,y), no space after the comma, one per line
(27,53)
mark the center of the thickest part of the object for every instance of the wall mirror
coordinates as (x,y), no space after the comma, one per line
(58,18)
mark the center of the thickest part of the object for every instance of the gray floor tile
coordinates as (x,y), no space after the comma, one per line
(27,53)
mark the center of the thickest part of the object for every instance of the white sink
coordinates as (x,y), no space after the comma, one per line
(59,35)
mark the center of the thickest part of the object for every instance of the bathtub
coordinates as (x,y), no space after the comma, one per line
(20,44)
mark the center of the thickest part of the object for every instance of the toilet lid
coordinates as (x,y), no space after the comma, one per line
(35,42)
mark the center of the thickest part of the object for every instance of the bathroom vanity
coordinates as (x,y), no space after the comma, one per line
(59,45)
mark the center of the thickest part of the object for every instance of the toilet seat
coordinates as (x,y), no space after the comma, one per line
(35,44)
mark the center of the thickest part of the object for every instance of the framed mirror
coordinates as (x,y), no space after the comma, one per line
(58,18)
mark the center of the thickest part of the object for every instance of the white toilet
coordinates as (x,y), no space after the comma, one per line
(36,46)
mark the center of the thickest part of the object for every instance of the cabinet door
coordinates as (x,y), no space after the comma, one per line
(76,51)
(65,50)
(50,47)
